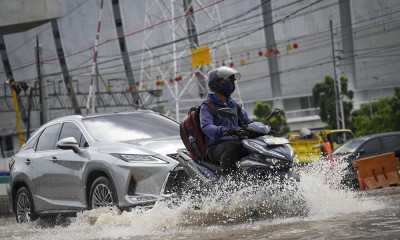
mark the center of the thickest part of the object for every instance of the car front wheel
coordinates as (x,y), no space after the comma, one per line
(24,208)
(102,194)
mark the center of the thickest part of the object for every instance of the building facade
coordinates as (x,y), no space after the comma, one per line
(282,48)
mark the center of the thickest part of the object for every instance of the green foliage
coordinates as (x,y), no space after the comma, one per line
(324,98)
(261,111)
(385,116)
(277,122)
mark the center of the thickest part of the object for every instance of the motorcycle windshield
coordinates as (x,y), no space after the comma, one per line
(270,140)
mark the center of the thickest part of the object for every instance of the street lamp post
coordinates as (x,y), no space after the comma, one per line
(368,91)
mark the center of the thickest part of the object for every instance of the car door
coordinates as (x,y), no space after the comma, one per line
(370,148)
(40,160)
(68,189)
(391,143)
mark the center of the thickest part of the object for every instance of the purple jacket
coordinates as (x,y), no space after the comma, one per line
(214,126)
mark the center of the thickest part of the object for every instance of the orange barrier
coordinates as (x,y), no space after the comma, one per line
(377,172)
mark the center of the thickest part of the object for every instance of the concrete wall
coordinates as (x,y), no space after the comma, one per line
(21,15)
(375,27)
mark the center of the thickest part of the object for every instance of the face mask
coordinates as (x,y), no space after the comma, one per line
(227,88)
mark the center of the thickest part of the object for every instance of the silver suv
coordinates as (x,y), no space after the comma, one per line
(77,163)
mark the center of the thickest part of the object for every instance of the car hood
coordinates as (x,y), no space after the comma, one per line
(162,146)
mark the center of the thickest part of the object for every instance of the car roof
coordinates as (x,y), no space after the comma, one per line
(367,137)
(80,117)
(117,113)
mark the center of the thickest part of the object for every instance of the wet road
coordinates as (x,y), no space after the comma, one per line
(324,212)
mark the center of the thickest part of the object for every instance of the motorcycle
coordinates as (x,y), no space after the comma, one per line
(270,158)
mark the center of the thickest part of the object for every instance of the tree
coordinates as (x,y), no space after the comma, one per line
(384,118)
(277,122)
(324,98)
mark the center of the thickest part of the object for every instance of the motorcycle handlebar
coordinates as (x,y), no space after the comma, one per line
(243,132)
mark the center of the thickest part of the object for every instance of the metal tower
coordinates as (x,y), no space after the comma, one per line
(171,33)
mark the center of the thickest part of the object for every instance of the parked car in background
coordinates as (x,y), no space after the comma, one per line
(363,147)
(77,163)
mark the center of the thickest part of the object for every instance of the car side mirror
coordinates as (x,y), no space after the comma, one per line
(226,112)
(361,151)
(69,143)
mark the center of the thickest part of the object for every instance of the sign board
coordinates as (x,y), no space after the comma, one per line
(200,56)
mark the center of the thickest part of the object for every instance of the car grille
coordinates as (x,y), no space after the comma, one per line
(175,182)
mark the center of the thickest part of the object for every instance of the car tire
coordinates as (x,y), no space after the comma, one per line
(24,206)
(102,194)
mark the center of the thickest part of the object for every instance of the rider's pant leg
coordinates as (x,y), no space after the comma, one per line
(225,154)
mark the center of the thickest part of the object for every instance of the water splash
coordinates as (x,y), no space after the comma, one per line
(325,194)
(318,195)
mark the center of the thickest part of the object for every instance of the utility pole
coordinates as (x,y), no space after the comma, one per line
(347,42)
(338,89)
(273,63)
(44,111)
(28,130)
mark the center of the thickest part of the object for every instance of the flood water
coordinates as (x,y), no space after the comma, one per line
(317,208)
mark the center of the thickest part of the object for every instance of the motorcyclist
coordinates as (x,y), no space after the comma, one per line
(223,147)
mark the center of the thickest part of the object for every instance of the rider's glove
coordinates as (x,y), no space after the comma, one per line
(230,131)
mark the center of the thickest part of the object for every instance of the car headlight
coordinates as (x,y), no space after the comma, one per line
(135,158)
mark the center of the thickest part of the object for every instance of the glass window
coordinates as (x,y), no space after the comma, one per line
(31,143)
(306,102)
(9,143)
(131,126)
(391,142)
(338,138)
(71,130)
(373,146)
(48,138)
(349,147)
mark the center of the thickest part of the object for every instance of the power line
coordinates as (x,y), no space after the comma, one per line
(104,62)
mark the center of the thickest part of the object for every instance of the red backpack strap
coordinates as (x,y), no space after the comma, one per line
(239,112)
(212,107)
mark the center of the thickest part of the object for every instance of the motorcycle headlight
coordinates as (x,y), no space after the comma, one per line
(135,158)
(275,162)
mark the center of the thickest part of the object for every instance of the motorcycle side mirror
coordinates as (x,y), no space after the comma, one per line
(274,112)
(226,112)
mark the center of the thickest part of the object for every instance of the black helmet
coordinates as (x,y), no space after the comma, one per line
(215,75)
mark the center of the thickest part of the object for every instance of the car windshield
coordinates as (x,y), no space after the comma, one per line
(348,147)
(131,126)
